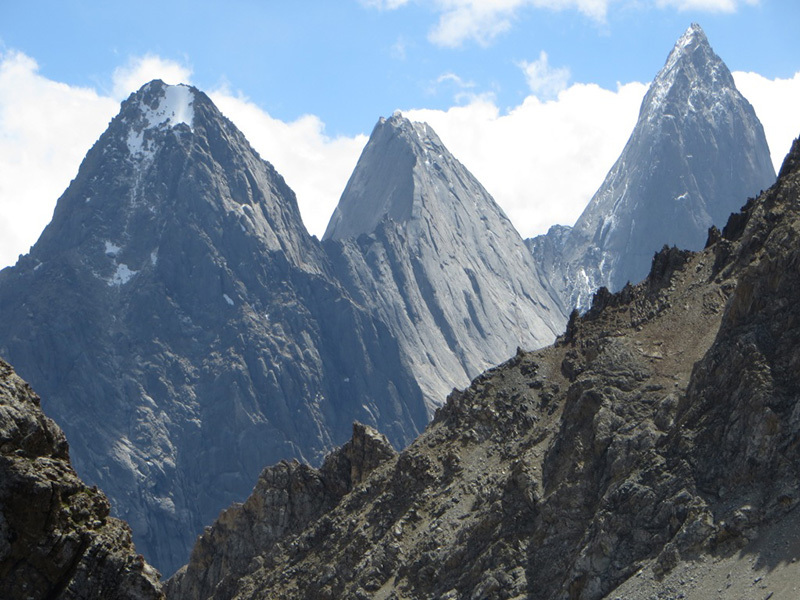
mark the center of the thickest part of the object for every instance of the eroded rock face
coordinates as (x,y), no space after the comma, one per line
(56,537)
(660,431)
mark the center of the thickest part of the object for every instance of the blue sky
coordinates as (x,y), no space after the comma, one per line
(525,92)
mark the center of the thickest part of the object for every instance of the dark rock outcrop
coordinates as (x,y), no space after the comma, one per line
(57,540)
(658,435)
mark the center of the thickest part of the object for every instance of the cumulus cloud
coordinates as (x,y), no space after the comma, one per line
(481,21)
(542,161)
(544,80)
(725,6)
(775,102)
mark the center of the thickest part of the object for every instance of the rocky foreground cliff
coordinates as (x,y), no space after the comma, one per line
(57,540)
(652,452)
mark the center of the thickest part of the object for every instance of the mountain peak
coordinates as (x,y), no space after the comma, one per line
(161,104)
(415,131)
(386,183)
(691,67)
(693,38)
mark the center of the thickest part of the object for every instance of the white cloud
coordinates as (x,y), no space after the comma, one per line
(140,70)
(481,21)
(456,80)
(463,90)
(398,49)
(726,6)
(384,4)
(544,80)
(542,161)
(775,102)
(46,128)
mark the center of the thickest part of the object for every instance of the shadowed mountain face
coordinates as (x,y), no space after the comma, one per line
(697,150)
(655,441)
(416,238)
(183,328)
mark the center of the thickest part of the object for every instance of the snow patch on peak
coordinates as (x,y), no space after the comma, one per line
(175,106)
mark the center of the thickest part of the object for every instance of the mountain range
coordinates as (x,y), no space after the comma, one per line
(185,330)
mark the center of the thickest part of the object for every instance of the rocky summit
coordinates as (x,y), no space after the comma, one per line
(418,239)
(697,149)
(184,328)
(651,452)
(57,539)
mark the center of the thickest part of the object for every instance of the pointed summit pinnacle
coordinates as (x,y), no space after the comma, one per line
(693,79)
(401,158)
(693,40)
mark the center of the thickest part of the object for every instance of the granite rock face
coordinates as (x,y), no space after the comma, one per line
(184,328)
(418,240)
(697,149)
(659,433)
(57,539)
